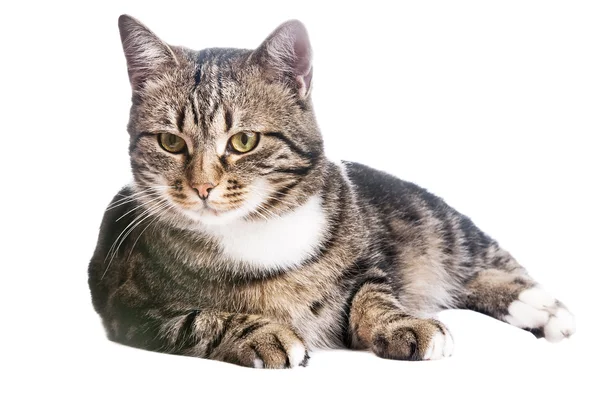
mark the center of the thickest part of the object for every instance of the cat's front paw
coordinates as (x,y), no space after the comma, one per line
(413,339)
(271,346)
(538,311)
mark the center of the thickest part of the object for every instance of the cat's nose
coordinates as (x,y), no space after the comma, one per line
(203,189)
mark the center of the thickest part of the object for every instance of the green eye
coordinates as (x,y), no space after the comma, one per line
(243,142)
(171,143)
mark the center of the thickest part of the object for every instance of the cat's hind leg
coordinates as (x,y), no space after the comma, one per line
(510,295)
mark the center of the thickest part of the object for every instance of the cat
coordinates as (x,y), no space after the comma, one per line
(239,241)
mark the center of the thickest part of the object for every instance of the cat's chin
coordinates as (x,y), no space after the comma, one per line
(210,216)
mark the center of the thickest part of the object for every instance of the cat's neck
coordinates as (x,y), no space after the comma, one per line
(277,243)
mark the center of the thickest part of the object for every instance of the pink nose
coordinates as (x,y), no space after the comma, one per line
(203,189)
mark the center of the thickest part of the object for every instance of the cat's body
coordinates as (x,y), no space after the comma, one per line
(304,253)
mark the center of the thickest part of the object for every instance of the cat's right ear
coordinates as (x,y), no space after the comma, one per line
(146,54)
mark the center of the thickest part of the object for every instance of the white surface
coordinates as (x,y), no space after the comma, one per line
(493,105)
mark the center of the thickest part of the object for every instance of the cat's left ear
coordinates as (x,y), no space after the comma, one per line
(286,55)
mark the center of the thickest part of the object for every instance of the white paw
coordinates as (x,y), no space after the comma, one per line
(561,325)
(297,355)
(441,346)
(258,363)
(537,309)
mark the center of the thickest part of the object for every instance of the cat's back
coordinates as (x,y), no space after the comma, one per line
(388,193)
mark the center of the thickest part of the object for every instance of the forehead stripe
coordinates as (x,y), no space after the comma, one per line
(181,118)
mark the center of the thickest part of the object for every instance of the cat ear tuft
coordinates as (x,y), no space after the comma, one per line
(144,51)
(286,54)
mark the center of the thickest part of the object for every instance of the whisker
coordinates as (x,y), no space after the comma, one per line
(128,199)
(131,223)
(135,208)
(128,229)
(158,215)
(260,207)
(257,211)
(110,251)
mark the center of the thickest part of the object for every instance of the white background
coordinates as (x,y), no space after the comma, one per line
(492,105)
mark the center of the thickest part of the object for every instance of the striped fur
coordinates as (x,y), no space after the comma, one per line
(289,252)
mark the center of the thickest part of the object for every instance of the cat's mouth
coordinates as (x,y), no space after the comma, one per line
(206,212)
(222,207)
(202,207)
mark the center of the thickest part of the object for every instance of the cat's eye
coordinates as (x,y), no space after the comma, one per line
(243,142)
(171,143)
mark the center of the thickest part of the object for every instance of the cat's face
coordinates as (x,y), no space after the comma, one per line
(222,134)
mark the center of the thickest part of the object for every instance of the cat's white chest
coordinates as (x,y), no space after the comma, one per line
(276,243)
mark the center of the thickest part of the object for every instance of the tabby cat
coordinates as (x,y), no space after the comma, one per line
(240,241)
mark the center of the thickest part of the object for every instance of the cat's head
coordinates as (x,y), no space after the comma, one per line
(222,134)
